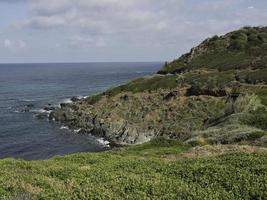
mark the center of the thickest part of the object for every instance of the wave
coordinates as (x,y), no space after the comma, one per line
(67,100)
(28,100)
(17,111)
(64,128)
(77,130)
(41,111)
(103,142)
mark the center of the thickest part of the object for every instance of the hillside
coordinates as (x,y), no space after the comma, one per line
(242,49)
(215,94)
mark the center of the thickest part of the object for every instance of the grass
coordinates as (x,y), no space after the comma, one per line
(138,85)
(155,148)
(136,173)
(145,84)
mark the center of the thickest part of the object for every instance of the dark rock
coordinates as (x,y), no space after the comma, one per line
(30,106)
(125,97)
(41,115)
(49,108)
(75,99)
(170,95)
(63,105)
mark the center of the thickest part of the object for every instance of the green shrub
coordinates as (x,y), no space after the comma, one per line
(93,99)
(257,118)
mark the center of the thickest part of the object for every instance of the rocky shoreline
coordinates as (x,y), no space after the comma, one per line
(128,118)
(118,133)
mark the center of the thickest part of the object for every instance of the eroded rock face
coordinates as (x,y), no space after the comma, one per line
(137,118)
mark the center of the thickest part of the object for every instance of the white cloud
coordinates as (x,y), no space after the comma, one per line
(13,44)
(46,22)
(101,17)
(7,43)
(87,42)
(154,28)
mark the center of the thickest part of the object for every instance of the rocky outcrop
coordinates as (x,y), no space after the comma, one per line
(133,118)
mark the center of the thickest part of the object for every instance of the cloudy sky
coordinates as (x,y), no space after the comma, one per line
(116,30)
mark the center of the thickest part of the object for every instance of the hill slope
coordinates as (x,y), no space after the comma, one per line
(242,49)
(217,93)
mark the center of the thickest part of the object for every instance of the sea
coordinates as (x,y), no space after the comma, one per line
(25,89)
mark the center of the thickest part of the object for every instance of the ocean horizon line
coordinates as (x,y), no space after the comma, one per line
(93,62)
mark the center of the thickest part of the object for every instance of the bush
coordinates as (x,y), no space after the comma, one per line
(257,118)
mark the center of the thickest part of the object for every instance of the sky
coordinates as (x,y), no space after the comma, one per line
(116,30)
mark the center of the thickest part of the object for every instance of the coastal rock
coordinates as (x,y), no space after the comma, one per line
(127,119)
(41,115)
(75,99)
(49,108)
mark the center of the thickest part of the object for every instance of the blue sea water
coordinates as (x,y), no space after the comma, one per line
(33,86)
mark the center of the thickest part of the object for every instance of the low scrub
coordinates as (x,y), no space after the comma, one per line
(129,175)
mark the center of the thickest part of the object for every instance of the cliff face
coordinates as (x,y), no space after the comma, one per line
(209,95)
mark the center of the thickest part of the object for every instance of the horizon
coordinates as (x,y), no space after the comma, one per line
(11,63)
(56,31)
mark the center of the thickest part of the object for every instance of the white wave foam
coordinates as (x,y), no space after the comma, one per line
(28,100)
(103,142)
(77,130)
(67,100)
(64,128)
(41,111)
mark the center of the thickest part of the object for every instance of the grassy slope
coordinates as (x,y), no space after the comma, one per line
(240,49)
(137,173)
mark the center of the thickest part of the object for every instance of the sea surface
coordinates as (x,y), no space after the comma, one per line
(27,88)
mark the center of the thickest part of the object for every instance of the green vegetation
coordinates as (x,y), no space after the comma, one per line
(139,85)
(145,84)
(154,149)
(136,173)
(257,118)
(240,49)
